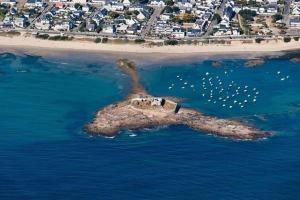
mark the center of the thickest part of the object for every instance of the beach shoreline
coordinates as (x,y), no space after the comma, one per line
(236,48)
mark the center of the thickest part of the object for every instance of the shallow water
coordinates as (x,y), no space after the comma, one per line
(45,154)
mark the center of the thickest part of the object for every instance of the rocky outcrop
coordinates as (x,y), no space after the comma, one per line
(110,120)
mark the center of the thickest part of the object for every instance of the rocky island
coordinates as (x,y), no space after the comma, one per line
(140,110)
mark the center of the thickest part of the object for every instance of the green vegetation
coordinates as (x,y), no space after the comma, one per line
(259,40)
(171,42)
(78,6)
(169,2)
(247,15)
(217,17)
(82,27)
(171,9)
(104,40)
(60,38)
(10,33)
(2,14)
(286,39)
(277,17)
(251,3)
(296,38)
(97,40)
(139,41)
(42,36)
(113,14)
(139,1)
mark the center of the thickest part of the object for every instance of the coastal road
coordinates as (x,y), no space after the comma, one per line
(152,21)
(219,11)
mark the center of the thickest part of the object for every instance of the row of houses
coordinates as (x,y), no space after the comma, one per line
(20,18)
(229,24)
(111,17)
(185,18)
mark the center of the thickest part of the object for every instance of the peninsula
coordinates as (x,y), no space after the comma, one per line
(140,110)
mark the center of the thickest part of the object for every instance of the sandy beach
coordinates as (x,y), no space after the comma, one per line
(233,48)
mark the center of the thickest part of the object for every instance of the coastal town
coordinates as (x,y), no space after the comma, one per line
(172,21)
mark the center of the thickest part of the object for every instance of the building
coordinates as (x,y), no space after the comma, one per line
(295,22)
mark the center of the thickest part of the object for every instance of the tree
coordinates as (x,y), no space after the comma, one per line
(277,17)
(286,39)
(139,1)
(113,14)
(171,42)
(104,40)
(176,9)
(259,40)
(78,6)
(97,40)
(247,14)
(169,2)
(217,17)
(82,27)
(136,12)
(168,9)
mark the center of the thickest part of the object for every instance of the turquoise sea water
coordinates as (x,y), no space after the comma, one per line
(45,154)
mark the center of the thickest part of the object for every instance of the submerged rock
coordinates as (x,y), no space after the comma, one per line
(255,62)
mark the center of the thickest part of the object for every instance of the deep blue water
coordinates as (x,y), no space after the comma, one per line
(44,104)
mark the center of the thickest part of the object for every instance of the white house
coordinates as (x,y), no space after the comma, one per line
(295,23)
(8,2)
(126,3)
(79,1)
(141,16)
(100,2)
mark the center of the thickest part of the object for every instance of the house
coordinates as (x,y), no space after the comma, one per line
(90,26)
(117,7)
(193,33)
(158,3)
(126,3)
(178,33)
(229,13)
(121,28)
(63,26)
(141,16)
(99,2)
(20,22)
(274,2)
(79,1)
(34,3)
(272,9)
(109,29)
(43,24)
(59,5)
(296,11)
(295,22)
(86,8)
(133,29)
(103,13)
(165,17)
(8,2)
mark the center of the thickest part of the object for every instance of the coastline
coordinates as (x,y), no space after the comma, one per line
(236,48)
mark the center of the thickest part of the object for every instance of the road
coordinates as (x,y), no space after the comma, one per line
(46,9)
(286,11)
(152,21)
(219,11)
